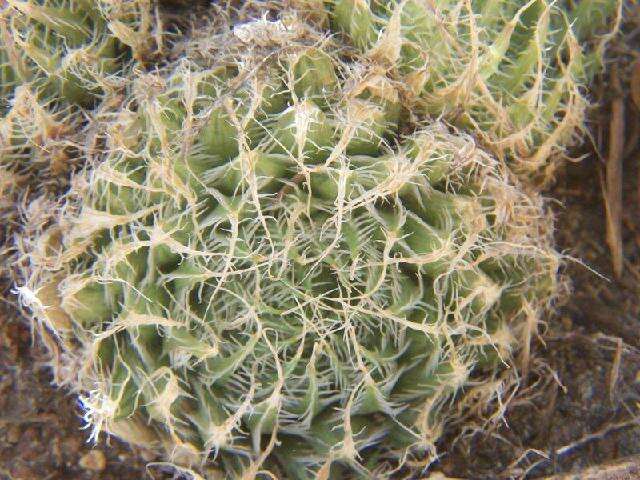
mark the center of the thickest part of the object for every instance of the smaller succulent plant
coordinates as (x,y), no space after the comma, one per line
(512,72)
(59,57)
(59,60)
(67,50)
(278,270)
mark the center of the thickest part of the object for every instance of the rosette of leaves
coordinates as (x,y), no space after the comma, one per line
(59,61)
(67,50)
(513,73)
(277,271)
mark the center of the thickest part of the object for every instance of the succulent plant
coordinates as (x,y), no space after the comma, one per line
(57,58)
(8,183)
(514,73)
(278,269)
(59,61)
(67,50)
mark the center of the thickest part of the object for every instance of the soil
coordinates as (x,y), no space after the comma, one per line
(41,436)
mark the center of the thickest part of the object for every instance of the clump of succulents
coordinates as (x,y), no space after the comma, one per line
(513,73)
(278,268)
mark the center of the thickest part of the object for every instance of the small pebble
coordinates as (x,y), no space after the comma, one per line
(94,460)
(22,472)
(14,432)
(71,445)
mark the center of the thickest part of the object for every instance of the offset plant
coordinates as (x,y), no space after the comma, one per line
(59,60)
(55,58)
(514,73)
(278,269)
(67,50)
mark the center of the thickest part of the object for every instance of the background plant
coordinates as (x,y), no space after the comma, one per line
(60,60)
(513,73)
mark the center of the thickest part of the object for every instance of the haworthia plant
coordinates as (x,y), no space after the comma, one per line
(67,50)
(58,58)
(278,271)
(59,61)
(514,73)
